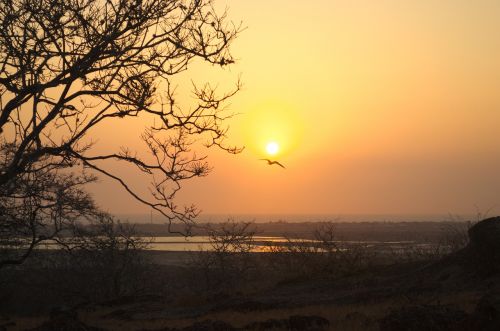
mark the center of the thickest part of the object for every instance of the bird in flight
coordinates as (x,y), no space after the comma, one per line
(269,162)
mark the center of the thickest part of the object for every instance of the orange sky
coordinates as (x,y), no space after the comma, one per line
(378,106)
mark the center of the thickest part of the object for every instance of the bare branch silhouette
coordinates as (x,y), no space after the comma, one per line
(70,66)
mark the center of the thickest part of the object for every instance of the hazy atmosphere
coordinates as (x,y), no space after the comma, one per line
(387,107)
(249,165)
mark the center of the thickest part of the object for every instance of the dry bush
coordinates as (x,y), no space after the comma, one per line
(324,255)
(105,261)
(417,252)
(295,257)
(342,257)
(454,237)
(101,261)
(456,232)
(229,260)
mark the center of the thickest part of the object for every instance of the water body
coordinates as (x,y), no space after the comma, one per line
(261,243)
(186,244)
(202,243)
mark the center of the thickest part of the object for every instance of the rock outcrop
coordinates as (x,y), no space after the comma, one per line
(483,250)
(427,317)
(293,323)
(65,321)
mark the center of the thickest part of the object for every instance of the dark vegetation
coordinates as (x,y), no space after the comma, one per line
(299,284)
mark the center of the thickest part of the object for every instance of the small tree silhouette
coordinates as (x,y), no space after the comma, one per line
(228,260)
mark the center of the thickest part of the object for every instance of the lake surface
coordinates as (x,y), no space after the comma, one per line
(261,243)
(199,243)
(186,244)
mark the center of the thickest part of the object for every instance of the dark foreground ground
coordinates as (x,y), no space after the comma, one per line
(277,291)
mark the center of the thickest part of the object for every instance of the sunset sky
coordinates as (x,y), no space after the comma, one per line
(378,107)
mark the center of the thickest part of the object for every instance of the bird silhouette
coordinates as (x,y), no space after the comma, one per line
(269,162)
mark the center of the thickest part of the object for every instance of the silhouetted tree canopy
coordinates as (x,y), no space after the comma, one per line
(69,66)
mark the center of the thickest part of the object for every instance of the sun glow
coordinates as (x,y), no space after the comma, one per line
(272,128)
(272,148)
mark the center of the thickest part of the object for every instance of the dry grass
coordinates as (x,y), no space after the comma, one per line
(348,317)
(24,323)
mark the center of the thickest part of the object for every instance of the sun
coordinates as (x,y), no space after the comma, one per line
(272,127)
(272,148)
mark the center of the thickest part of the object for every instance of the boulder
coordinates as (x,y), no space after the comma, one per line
(293,323)
(209,325)
(299,323)
(64,320)
(484,246)
(425,317)
(270,324)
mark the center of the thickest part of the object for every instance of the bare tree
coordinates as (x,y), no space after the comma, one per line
(102,259)
(39,205)
(229,259)
(70,66)
(323,255)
